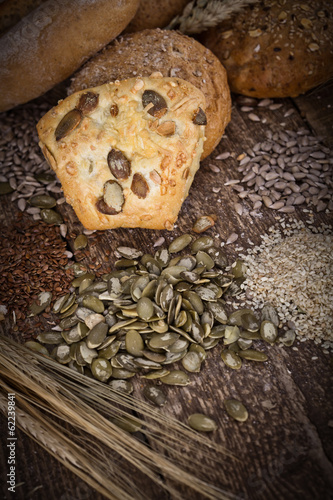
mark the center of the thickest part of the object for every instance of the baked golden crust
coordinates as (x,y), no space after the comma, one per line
(173,54)
(275,48)
(35,54)
(126,152)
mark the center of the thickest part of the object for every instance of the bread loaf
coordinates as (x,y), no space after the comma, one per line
(173,54)
(12,11)
(152,14)
(276,48)
(51,42)
(126,152)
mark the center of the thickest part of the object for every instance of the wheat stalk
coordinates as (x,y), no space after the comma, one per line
(199,15)
(48,393)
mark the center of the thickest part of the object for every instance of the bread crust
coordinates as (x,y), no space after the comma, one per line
(54,40)
(140,164)
(152,14)
(276,49)
(173,54)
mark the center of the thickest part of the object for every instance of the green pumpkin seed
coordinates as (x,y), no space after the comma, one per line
(51,217)
(236,410)
(231,359)
(123,386)
(161,341)
(231,334)
(134,342)
(69,322)
(218,255)
(188,261)
(269,313)
(250,335)
(176,377)
(72,335)
(288,338)
(5,188)
(155,395)
(253,355)
(191,362)
(162,256)
(93,303)
(97,335)
(198,349)
(86,353)
(147,364)
(90,319)
(77,281)
(202,243)
(250,322)
(57,306)
(180,243)
(244,343)
(43,201)
(50,337)
(203,259)
(238,269)
(145,308)
(80,242)
(217,331)
(36,347)
(70,311)
(201,423)
(43,301)
(195,300)
(128,424)
(209,343)
(268,331)
(156,374)
(62,354)
(122,373)
(218,311)
(129,253)
(101,369)
(179,346)
(44,177)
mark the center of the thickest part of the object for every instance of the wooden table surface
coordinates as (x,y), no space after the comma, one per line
(285,449)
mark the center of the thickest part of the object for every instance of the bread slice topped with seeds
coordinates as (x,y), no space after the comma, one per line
(126,152)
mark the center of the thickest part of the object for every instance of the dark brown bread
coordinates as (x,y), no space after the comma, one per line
(152,14)
(276,48)
(173,54)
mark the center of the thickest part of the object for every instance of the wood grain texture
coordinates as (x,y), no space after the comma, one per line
(285,449)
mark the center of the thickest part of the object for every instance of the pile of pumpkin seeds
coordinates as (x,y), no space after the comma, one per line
(153,311)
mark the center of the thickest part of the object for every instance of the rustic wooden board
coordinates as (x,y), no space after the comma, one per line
(285,450)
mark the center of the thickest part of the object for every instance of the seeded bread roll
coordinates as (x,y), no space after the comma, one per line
(173,54)
(126,152)
(276,48)
(53,41)
(152,14)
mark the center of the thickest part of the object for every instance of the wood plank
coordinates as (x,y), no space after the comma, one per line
(285,449)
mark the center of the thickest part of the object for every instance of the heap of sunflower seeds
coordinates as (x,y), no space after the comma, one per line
(288,169)
(292,269)
(24,173)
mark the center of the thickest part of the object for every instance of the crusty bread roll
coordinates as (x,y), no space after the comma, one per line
(50,43)
(126,152)
(173,54)
(276,49)
(152,14)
